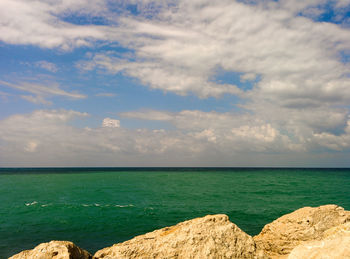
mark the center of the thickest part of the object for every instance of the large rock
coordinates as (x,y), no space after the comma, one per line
(212,236)
(54,250)
(335,244)
(281,236)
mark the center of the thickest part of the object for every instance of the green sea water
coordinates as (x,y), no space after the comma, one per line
(96,208)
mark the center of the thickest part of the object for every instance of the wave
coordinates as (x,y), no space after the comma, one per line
(31,203)
(124,206)
(83,205)
(35,203)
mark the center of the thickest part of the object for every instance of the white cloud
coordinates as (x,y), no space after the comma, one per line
(180,49)
(110,123)
(38,99)
(207,134)
(342,3)
(41,91)
(270,130)
(63,144)
(31,146)
(38,23)
(248,77)
(299,102)
(178,45)
(225,130)
(262,133)
(47,138)
(24,133)
(166,77)
(335,142)
(149,115)
(47,66)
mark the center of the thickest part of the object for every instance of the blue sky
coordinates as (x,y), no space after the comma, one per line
(174,83)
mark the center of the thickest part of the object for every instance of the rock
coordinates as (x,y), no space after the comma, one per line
(307,233)
(212,236)
(335,245)
(281,236)
(54,250)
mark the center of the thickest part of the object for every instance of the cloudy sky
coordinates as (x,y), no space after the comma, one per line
(175,83)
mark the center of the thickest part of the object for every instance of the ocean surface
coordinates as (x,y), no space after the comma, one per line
(97,207)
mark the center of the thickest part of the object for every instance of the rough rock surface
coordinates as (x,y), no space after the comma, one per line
(335,244)
(212,236)
(54,250)
(307,233)
(281,236)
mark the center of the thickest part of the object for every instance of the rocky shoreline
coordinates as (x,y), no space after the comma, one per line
(321,232)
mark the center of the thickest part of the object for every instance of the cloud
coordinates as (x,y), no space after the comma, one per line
(335,9)
(149,115)
(26,131)
(240,131)
(47,66)
(334,142)
(178,45)
(270,130)
(40,92)
(166,77)
(180,49)
(47,137)
(105,95)
(207,134)
(36,99)
(264,132)
(110,123)
(41,23)
(31,146)
(298,102)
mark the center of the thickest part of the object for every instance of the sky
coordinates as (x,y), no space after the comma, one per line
(175,83)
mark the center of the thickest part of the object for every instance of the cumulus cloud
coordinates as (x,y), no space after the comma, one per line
(47,137)
(165,77)
(334,142)
(24,133)
(228,131)
(110,123)
(178,45)
(262,133)
(41,23)
(180,50)
(299,131)
(50,24)
(297,103)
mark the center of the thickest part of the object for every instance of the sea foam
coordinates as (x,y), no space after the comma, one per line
(31,203)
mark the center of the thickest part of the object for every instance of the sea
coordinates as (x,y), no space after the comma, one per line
(98,207)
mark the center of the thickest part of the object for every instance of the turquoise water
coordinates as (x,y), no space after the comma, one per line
(98,207)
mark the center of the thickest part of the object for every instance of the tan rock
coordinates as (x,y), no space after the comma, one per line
(54,250)
(281,236)
(335,245)
(212,236)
